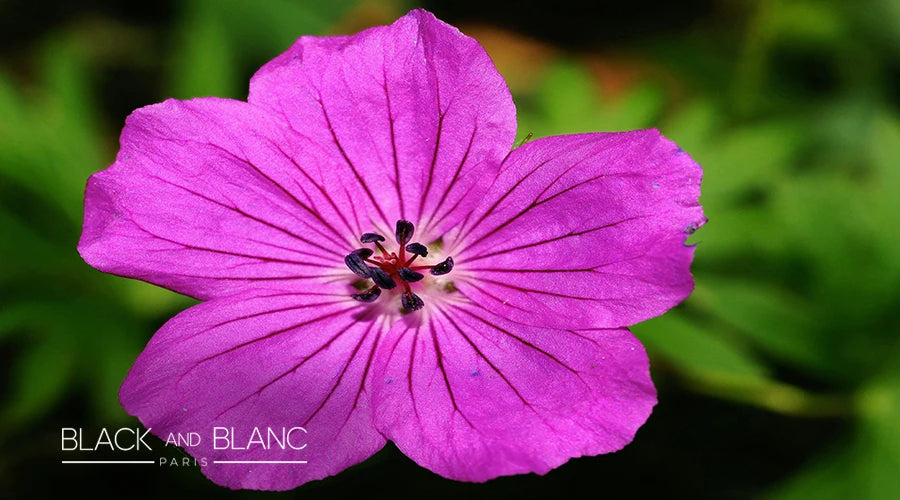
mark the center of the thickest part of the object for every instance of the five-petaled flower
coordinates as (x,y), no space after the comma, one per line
(375,264)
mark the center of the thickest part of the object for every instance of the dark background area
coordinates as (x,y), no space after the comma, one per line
(778,377)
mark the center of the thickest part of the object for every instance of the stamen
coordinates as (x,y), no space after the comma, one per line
(369,295)
(364,253)
(411,302)
(371,238)
(417,249)
(443,268)
(382,278)
(409,276)
(390,269)
(404,231)
(356,264)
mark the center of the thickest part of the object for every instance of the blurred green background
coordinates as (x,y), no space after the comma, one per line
(778,378)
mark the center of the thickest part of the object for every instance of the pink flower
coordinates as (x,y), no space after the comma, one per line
(512,357)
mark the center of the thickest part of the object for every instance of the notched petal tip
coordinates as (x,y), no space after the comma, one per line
(99,215)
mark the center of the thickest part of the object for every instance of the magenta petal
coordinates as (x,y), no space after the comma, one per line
(584,231)
(262,360)
(209,194)
(498,349)
(414,112)
(473,396)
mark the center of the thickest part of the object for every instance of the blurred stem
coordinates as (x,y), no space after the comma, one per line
(773,396)
(748,73)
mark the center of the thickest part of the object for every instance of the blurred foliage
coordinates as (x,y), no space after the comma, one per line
(793,116)
(75,330)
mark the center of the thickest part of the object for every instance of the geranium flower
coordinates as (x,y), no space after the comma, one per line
(375,264)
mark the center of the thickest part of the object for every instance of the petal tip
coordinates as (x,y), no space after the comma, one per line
(99,215)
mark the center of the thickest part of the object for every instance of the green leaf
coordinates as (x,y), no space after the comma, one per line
(40,376)
(68,344)
(736,232)
(150,301)
(42,373)
(867,466)
(564,97)
(696,350)
(714,362)
(273,25)
(113,347)
(771,318)
(693,127)
(205,64)
(57,144)
(218,40)
(808,22)
(835,224)
(25,252)
(884,156)
(569,101)
(746,159)
(12,111)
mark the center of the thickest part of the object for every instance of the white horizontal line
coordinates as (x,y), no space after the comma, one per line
(259,461)
(108,462)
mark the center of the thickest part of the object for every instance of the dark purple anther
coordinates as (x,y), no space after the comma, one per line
(443,268)
(409,275)
(371,237)
(417,249)
(368,296)
(382,278)
(411,302)
(405,230)
(365,253)
(356,264)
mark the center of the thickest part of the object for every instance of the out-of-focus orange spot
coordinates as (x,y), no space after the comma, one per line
(617,74)
(521,60)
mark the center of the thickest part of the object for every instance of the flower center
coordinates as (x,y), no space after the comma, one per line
(387,269)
